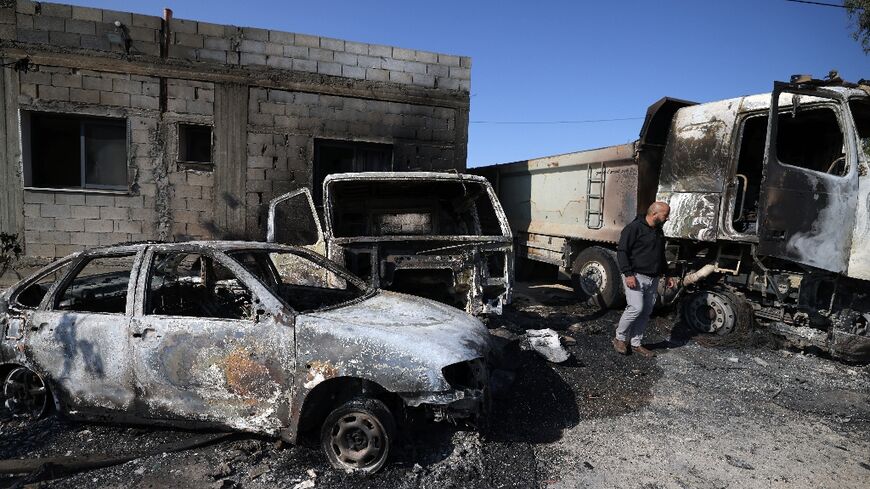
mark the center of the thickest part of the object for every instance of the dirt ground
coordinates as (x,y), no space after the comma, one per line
(703,414)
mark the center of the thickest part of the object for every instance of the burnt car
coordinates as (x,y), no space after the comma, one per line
(439,235)
(254,337)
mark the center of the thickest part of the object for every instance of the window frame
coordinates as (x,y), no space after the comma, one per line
(837,109)
(181,150)
(148,263)
(47,270)
(27,129)
(74,271)
(365,289)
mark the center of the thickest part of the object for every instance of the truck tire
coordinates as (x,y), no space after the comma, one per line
(358,435)
(717,311)
(595,275)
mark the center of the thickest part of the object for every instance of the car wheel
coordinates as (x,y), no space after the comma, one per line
(595,274)
(26,394)
(716,311)
(358,435)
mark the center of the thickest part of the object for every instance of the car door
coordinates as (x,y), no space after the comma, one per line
(810,187)
(78,336)
(293,220)
(210,343)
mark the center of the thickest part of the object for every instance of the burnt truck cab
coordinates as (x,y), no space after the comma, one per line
(439,235)
(772,194)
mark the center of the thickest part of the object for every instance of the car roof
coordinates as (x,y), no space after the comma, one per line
(219,245)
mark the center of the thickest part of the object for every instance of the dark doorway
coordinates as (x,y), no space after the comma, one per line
(333,156)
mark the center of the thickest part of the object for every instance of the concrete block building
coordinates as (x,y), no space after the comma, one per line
(122,127)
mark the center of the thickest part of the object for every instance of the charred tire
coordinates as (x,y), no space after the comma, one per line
(26,394)
(717,312)
(358,435)
(595,274)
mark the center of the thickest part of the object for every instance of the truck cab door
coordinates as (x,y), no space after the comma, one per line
(293,220)
(810,184)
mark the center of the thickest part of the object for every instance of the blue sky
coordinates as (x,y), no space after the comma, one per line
(570,60)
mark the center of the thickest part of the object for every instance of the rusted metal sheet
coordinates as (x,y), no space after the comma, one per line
(253,373)
(693,215)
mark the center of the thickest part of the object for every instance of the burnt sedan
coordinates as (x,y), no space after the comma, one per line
(254,337)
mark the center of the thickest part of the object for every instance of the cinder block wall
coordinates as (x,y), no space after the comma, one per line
(284,89)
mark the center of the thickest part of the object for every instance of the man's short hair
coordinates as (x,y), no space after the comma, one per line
(657,206)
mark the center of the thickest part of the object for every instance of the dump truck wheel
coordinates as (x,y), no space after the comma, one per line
(26,394)
(595,274)
(717,312)
(358,435)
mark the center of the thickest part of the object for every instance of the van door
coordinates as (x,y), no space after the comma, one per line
(293,220)
(810,184)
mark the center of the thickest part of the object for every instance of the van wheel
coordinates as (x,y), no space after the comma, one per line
(26,394)
(358,435)
(595,274)
(717,312)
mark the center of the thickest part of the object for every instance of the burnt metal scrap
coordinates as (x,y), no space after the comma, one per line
(439,235)
(254,337)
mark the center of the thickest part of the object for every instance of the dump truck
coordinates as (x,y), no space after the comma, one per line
(770,211)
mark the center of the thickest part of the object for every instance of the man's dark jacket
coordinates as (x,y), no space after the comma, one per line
(641,249)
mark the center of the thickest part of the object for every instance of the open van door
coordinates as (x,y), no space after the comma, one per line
(293,220)
(810,187)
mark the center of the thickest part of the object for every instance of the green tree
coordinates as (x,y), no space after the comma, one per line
(859,14)
(10,250)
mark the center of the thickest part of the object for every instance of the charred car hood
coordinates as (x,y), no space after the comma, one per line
(389,336)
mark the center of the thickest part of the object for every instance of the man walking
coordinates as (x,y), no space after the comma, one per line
(641,257)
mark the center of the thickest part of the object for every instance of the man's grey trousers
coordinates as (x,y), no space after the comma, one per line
(640,302)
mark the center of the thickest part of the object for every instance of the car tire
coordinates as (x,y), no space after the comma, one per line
(358,435)
(595,275)
(25,394)
(717,311)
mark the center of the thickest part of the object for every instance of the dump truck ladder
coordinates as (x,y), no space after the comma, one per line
(595,196)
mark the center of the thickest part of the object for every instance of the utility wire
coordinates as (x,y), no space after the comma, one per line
(589,121)
(823,4)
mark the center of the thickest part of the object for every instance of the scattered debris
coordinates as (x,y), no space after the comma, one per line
(309,483)
(257,472)
(546,343)
(53,467)
(760,362)
(736,462)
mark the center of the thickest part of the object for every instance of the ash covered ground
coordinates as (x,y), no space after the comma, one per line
(703,413)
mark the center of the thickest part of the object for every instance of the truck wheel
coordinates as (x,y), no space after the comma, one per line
(357,436)
(26,394)
(595,274)
(717,311)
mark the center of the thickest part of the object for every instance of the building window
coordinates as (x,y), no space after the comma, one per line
(72,151)
(194,144)
(332,156)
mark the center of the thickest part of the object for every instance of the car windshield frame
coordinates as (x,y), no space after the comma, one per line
(366,290)
(52,267)
(331,192)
